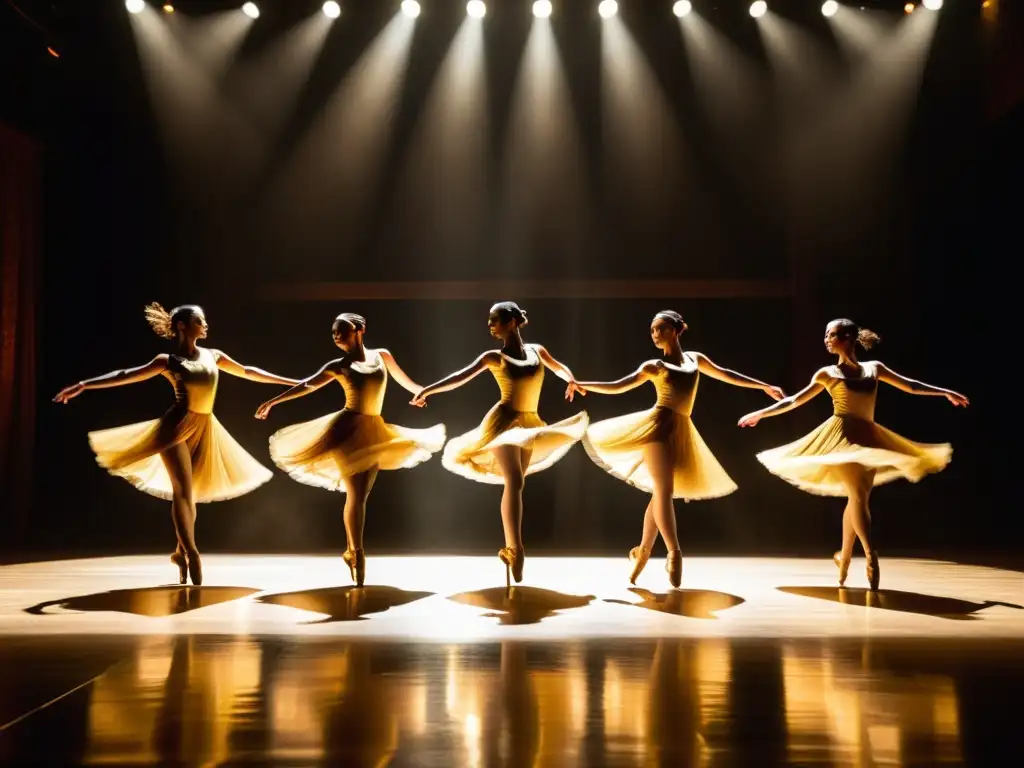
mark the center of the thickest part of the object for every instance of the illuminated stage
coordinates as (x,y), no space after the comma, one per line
(464,599)
(278,660)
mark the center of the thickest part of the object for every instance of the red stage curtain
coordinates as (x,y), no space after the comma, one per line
(21,163)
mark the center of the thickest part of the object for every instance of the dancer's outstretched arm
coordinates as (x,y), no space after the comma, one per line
(561,370)
(805,395)
(706,365)
(228,365)
(117,378)
(915,387)
(397,373)
(455,380)
(302,388)
(640,376)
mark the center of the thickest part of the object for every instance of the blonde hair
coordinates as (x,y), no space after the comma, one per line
(164,323)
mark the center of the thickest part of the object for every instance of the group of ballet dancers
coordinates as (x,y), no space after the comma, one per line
(186,456)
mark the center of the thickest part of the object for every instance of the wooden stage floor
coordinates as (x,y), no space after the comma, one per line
(278,660)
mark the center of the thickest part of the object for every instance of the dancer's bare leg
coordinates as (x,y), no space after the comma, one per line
(178,462)
(658,458)
(513,461)
(858,482)
(357,493)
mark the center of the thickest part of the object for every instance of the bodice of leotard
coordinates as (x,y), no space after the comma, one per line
(195,381)
(854,397)
(520,381)
(364,384)
(677,385)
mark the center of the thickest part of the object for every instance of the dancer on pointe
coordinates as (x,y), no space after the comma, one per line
(185,455)
(512,441)
(849,453)
(343,451)
(659,450)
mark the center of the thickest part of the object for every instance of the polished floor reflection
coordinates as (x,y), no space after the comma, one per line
(211,700)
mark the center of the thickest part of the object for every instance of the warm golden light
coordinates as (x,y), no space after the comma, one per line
(758,8)
(53,53)
(331,9)
(908,8)
(168,8)
(250,10)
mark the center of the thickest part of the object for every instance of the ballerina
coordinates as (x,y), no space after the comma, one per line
(512,441)
(343,451)
(849,453)
(659,450)
(185,455)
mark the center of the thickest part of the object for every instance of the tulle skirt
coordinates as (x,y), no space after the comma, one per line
(470,454)
(617,446)
(221,468)
(810,462)
(324,451)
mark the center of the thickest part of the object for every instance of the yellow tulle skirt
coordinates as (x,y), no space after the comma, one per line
(470,454)
(221,468)
(810,462)
(324,451)
(617,446)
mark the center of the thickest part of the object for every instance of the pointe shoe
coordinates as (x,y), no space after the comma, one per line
(638,556)
(842,565)
(355,559)
(514,559)
(674,566)
(874,572)
(195,567)
(179,560)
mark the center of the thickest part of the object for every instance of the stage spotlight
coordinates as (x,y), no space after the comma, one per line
(758,8)
(608,8)
(908,8)
(682,8)
(932,5)
(476,9)
(331,9)
(250,10)
(135,6)
(168,8)
(542,9)
(830,8)
(411,8)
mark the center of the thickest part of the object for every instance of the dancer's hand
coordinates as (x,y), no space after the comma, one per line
(957,399)
(264,410)
(775,393)
(420,399)
(69,392)
(572,389)
(750,420)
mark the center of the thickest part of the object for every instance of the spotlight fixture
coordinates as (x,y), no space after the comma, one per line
(168,8)
(758,8)
(932,5)
(542,9)
(830,8)
(411,8)
(682,8)
(908,8)
(476,9)
(331,9)
(251,10)
(135,6)
(608,8)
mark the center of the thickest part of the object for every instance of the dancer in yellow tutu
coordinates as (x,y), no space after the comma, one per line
(849,453)
(185,455)
(512,441)
(343,451)
(659,450)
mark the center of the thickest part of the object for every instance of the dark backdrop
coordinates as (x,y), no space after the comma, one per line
(915,259)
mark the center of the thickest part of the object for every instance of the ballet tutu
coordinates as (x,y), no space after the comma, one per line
(324,451)
(470,454)
(810,462)
(617,446)
(221,468)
